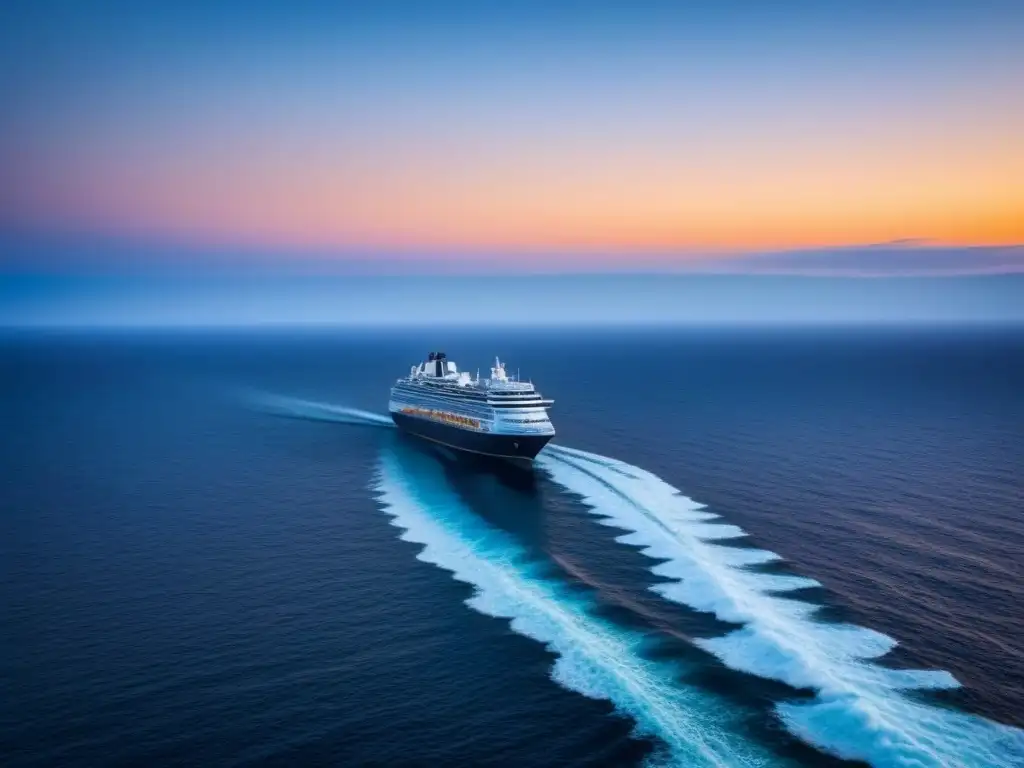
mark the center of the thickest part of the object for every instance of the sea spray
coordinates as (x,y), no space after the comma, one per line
(862,710)
(595,658)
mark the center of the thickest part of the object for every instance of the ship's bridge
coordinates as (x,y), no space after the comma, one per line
(501,382)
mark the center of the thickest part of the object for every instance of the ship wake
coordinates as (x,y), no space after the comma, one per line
(297,408)
(595,658)
(862,710)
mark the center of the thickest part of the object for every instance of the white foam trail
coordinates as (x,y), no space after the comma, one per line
(311,409)
(595,658)
(862,710)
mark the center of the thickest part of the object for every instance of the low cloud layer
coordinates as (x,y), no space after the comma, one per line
(887,259)
(84,255)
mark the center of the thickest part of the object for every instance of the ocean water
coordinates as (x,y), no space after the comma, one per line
(743,548)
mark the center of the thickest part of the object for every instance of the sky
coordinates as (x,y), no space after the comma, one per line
(468,138)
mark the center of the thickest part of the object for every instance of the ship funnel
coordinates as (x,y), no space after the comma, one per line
(437,365)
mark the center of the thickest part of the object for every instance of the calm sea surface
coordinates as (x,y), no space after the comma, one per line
(213,553)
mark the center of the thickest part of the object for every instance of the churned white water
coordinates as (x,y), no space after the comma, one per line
(595,658)
(862,709)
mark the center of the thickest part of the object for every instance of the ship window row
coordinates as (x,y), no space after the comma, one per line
(444,385)
(459,394)
(437,392)
(480,406)
(424,399)
(468,407)
(437,385)
(443,395)
(464,394)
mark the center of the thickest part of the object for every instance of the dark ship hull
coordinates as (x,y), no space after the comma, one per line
(512,447)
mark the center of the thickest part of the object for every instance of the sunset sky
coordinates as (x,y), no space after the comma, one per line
(568,136)
(665,126)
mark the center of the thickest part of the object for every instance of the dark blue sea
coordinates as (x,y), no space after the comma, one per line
(774,547)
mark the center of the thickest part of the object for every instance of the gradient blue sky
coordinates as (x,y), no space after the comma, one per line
(222,143)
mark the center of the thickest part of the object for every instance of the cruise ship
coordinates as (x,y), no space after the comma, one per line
(500,416)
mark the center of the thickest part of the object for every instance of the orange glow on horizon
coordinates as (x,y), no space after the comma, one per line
(655,200)
(656,137)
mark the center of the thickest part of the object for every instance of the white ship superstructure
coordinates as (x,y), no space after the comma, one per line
(500,415)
